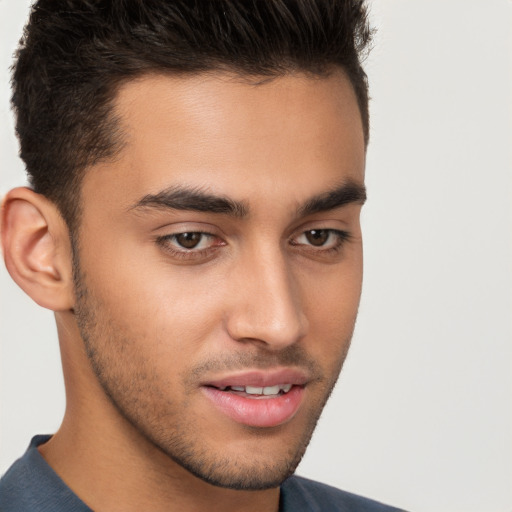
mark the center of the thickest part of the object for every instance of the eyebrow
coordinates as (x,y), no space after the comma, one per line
(184,198)
(193,199)
(348,193)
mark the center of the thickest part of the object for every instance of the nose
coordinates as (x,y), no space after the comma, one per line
(267,306)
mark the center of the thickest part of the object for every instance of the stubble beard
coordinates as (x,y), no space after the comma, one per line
(132,389)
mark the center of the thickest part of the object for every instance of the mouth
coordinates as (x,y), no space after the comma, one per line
(258,399)
(256,392)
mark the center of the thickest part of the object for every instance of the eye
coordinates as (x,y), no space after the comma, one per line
(190,240)
(323,239)
(190,244)
(317,237)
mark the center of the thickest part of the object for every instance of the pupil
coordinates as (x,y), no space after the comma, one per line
(188,240)
(317,236)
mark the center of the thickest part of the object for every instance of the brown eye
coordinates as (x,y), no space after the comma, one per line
(317,237)
(190,246)
(189,240)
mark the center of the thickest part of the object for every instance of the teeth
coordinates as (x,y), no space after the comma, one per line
(271,390)
(255,390)
(251,390)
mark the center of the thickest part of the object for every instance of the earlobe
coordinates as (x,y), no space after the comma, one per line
(36,247)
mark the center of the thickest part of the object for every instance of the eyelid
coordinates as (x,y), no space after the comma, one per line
(187,227)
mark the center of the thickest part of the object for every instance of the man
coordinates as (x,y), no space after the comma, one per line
(197,173)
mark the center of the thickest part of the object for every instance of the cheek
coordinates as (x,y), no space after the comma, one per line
(331,304)
(167,309)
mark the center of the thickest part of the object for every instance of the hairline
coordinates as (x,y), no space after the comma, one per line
(114,120)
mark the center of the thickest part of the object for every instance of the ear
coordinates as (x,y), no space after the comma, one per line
(37,249)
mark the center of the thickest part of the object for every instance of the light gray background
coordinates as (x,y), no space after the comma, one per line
(422,416)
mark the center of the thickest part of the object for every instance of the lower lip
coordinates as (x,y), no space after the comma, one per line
(257,412)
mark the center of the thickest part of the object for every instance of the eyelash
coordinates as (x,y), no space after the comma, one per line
(198,254)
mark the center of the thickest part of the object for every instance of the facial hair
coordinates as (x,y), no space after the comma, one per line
(167,420)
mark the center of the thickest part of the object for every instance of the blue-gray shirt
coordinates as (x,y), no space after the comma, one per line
(31,485)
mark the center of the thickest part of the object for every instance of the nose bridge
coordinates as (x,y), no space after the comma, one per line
(267,304)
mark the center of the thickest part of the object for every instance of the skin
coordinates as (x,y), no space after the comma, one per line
(144,322)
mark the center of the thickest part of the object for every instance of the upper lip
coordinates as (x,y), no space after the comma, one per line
(260,378)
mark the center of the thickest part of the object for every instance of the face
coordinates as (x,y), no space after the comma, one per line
(219,266)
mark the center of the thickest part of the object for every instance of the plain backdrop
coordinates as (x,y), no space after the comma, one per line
(422,415)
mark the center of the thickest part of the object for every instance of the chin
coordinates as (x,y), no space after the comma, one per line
(254,466)
(242,477)
(258,460)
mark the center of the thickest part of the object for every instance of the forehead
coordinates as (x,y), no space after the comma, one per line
(232,136)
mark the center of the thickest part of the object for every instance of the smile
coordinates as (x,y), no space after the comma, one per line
(258,398)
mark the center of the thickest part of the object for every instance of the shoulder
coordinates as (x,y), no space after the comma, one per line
(31,485)
(299,493)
